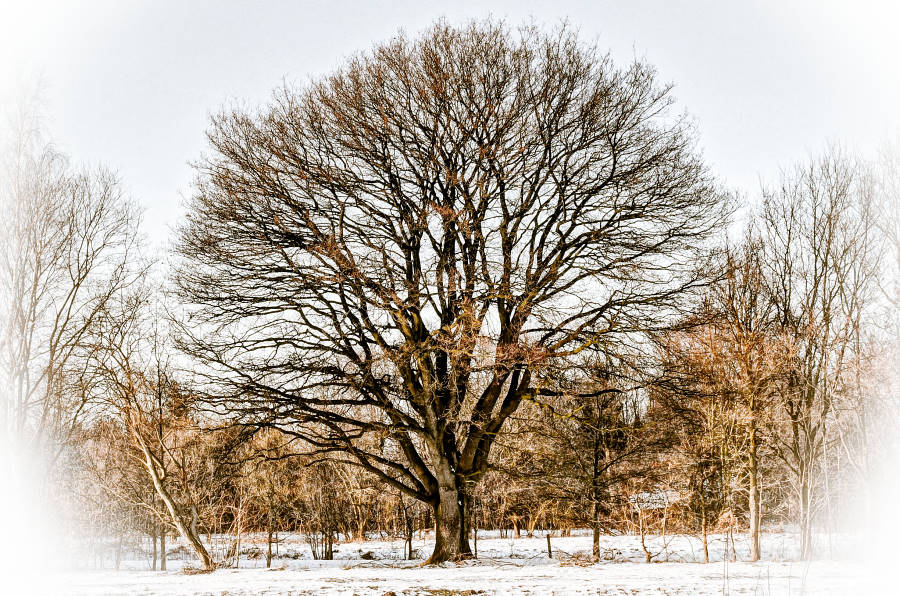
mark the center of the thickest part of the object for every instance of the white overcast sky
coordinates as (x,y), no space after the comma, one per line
(131,84)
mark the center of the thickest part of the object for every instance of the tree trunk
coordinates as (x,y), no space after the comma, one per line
(194,521)
(328,547)
(754,497)
(410,530)
(804,518)
(177,518)
(269,539)
(153,537)
(451,526)
(647,556)
(119,550)
(162,549)
(704,530)
(599,454)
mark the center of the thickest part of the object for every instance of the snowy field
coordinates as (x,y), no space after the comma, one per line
(505,566)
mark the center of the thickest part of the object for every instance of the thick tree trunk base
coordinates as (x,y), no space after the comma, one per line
(438,558)
(451,529)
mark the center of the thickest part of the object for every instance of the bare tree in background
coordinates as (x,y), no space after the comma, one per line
(68,245)
(742,355)
(130,378)
(575,455)
(690,406)
(815,235)
(399,249)
(866,432)
(887,204)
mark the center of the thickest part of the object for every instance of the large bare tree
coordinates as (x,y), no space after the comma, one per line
(399,250)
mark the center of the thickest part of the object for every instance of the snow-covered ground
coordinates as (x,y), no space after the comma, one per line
(505,566)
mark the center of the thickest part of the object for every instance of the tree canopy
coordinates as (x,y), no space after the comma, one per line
(403,251)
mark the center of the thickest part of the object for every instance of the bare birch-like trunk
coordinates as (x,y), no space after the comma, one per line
(754,495)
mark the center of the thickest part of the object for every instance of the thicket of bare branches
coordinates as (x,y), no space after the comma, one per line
(68,246)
